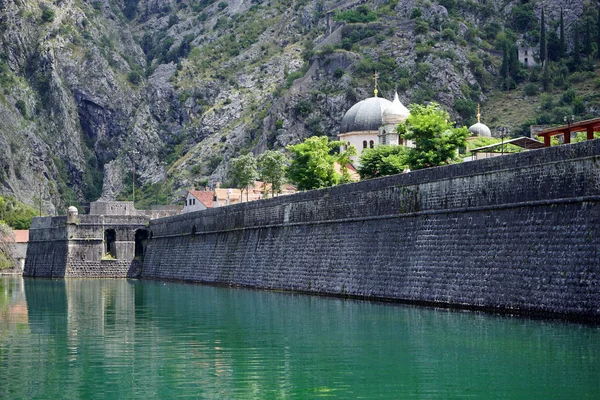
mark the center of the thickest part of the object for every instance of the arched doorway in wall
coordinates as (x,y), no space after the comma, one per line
(141,238)
(110,239)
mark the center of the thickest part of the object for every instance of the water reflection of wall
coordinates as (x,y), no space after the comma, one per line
(13,306)
(134,339)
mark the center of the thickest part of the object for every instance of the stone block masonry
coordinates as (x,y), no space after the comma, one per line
(88,246)
(519,233)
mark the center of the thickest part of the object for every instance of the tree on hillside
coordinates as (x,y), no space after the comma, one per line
(312,164)
(243,172)
(587,44)
(576,49)
(543,44)
(598,35)
(553,46)
(383,160)
(271,169)
(435,138)
(510,70)
(16,214)
(563,45)
(546,78)
(6,250)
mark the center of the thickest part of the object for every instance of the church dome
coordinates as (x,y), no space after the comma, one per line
(396,113)
(366,115)
(480,129)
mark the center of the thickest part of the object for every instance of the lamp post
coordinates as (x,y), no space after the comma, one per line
(40,177)
(132,175)
(569,122)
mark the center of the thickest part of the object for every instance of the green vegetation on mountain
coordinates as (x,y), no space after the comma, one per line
(6,240)
(16,214)
(180,88)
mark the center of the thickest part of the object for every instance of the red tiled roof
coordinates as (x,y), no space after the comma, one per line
(21,236)
(206,198)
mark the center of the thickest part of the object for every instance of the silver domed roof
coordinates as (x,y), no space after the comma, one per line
(480,129)
(396,113)
(365,115)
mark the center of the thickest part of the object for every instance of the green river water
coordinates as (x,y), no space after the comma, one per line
(127,339)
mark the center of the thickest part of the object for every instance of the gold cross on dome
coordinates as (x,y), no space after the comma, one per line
(375,77)
(478,113)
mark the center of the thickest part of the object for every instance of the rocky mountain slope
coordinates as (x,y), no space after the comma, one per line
(90,90)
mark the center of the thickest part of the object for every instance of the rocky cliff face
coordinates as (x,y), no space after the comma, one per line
(90,89)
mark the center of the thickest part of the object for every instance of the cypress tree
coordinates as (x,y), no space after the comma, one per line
(598,35)
(546,77)
(515,65)
(505,68)
(576,53)
(563,46)
(587,45)
(543,46)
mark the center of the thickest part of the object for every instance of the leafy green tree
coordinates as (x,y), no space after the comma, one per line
(361,14)
(243,172)
(435,138)
(449,4)
(383,160)
(523,17)
(553,46)
(344,159)
(16,214)
(48,15)
(271,169)
(312,164)
(6,239)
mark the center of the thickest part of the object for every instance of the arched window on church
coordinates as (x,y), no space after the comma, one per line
(371,144)
(364,144)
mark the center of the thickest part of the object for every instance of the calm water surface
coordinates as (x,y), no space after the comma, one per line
(123,339)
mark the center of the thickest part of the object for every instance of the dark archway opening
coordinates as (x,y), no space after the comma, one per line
(110,239)
(141,238)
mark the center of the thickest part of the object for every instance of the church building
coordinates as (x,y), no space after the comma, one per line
(372,122)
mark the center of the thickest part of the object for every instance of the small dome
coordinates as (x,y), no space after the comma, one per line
(366,115)
(480,129)
(72,210)
(396,113)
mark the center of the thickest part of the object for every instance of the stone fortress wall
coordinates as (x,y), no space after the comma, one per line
(518,233)
(76,246)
